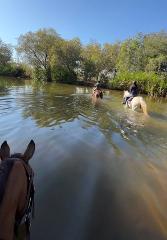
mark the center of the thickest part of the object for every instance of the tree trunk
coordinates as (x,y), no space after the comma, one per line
(48,74)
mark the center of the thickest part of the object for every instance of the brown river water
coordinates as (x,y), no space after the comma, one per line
(100,169)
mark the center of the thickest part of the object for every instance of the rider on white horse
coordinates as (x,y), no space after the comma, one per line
(133,90)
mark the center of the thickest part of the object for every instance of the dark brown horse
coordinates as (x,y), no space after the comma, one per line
(17,201)
(97,93)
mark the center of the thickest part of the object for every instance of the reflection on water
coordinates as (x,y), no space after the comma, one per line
(101,170)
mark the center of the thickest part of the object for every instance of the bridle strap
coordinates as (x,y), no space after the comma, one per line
(28,210)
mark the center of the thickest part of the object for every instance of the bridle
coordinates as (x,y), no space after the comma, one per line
(97,93)
(26,215)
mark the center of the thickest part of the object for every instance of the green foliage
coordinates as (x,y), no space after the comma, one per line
(15,70)
(62,74)
(48,57)
(7,67)
(132,57)
(68,57)
(157,64)
(148,82)
(38,50)
(156,52)
(5,53)
(91,63)
(155,44)
(110,55)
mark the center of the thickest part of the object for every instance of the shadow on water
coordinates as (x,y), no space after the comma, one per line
(101,170)
(158,116)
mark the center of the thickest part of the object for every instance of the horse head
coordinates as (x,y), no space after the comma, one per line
(98,94)
(16,210)
(26,156)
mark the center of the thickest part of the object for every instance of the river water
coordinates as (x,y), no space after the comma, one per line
(100,169)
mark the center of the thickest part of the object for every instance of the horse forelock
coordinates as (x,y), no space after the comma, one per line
(16,155)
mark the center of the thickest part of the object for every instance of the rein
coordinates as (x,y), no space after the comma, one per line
(28,212)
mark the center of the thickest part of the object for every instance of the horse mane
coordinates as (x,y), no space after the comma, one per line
(5,169)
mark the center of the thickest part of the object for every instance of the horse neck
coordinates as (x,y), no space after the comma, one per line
(17,187)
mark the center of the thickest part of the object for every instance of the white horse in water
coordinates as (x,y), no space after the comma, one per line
(136,103)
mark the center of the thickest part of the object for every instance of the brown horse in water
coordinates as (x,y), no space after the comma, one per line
(97,93)
(17,202)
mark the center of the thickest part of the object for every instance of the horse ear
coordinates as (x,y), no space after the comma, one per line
(4,151)
(29,151)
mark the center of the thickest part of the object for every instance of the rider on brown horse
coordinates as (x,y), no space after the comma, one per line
(97,92)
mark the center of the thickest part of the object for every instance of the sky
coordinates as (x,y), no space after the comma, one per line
(90,20)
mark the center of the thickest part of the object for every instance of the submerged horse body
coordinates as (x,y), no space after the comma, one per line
(17,201)
(135,103)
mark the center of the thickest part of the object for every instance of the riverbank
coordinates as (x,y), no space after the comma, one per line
(149,84)
(142,58)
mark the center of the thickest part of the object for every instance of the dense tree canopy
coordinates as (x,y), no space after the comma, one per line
(51,58)
(38,49)
(5,53)
(68,56)
(156,51)
(132,55)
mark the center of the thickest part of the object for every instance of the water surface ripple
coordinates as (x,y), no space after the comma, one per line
(100,170)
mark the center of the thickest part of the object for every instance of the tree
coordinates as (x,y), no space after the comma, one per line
(109,55)
(99,62)
(91,61)
(157,64)
(108,61)
(67,59)
(156,51)
(38,49)
(132,55)
(5,53)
